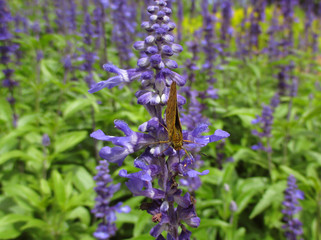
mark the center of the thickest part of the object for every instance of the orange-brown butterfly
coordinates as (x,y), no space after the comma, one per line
(173,123)
(174,127)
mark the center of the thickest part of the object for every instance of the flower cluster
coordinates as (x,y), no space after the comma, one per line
(123,17)
(89,57)
(159,161)
(265,121)
(7,48)
(102,209)
(292,226)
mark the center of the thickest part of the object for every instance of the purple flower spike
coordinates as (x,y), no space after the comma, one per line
(102,209)
(292,226)
(265,122)
(160,161)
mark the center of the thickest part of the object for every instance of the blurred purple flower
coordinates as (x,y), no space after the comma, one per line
(265,122)
(292,226)
(45,140)
(102,210)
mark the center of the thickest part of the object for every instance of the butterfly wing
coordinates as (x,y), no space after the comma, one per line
(171,111)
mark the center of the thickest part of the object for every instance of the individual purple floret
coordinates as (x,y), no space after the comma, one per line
(293,226)
(159,162)
(102,210)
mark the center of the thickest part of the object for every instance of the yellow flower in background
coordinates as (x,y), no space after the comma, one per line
(192,24)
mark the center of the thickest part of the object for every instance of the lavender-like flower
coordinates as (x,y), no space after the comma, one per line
(226,28)
(265,121)
(292,226)
(45,140)
(159,161)
(274,28)
(180,16)
(60,15)
(123,18)
(102,210)
(257,15)
(287,8)
(45,17)
(71,15)
(7,48)
(89,57)
(211,49)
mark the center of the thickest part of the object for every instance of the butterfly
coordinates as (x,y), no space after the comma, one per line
(173,123)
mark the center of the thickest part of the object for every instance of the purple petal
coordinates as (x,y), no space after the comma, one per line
(193,173)
(100,135)
(193,222)
(184,201)
(123,126)
(157,230)
(137,175)
(218,135)
(145,98)
(114,155)
(110,83)
(124,209)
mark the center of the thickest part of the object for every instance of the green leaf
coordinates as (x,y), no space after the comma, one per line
(8,231)
(143,219)
(44,187)
(14,154)
(228,173)
(205,223)
(296,174)
(59,188)
(274,194)
(243,200)
(7,227)
(75,106)
(35,223)
(311,113)
(250,156)
(240,234)
(80,213)
(83,179)
(255,69)
(68,140)
(131,217)
(13,218)
(24,195)
(214,176)
(208,203)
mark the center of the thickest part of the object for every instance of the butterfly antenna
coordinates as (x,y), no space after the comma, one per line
(189,155)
